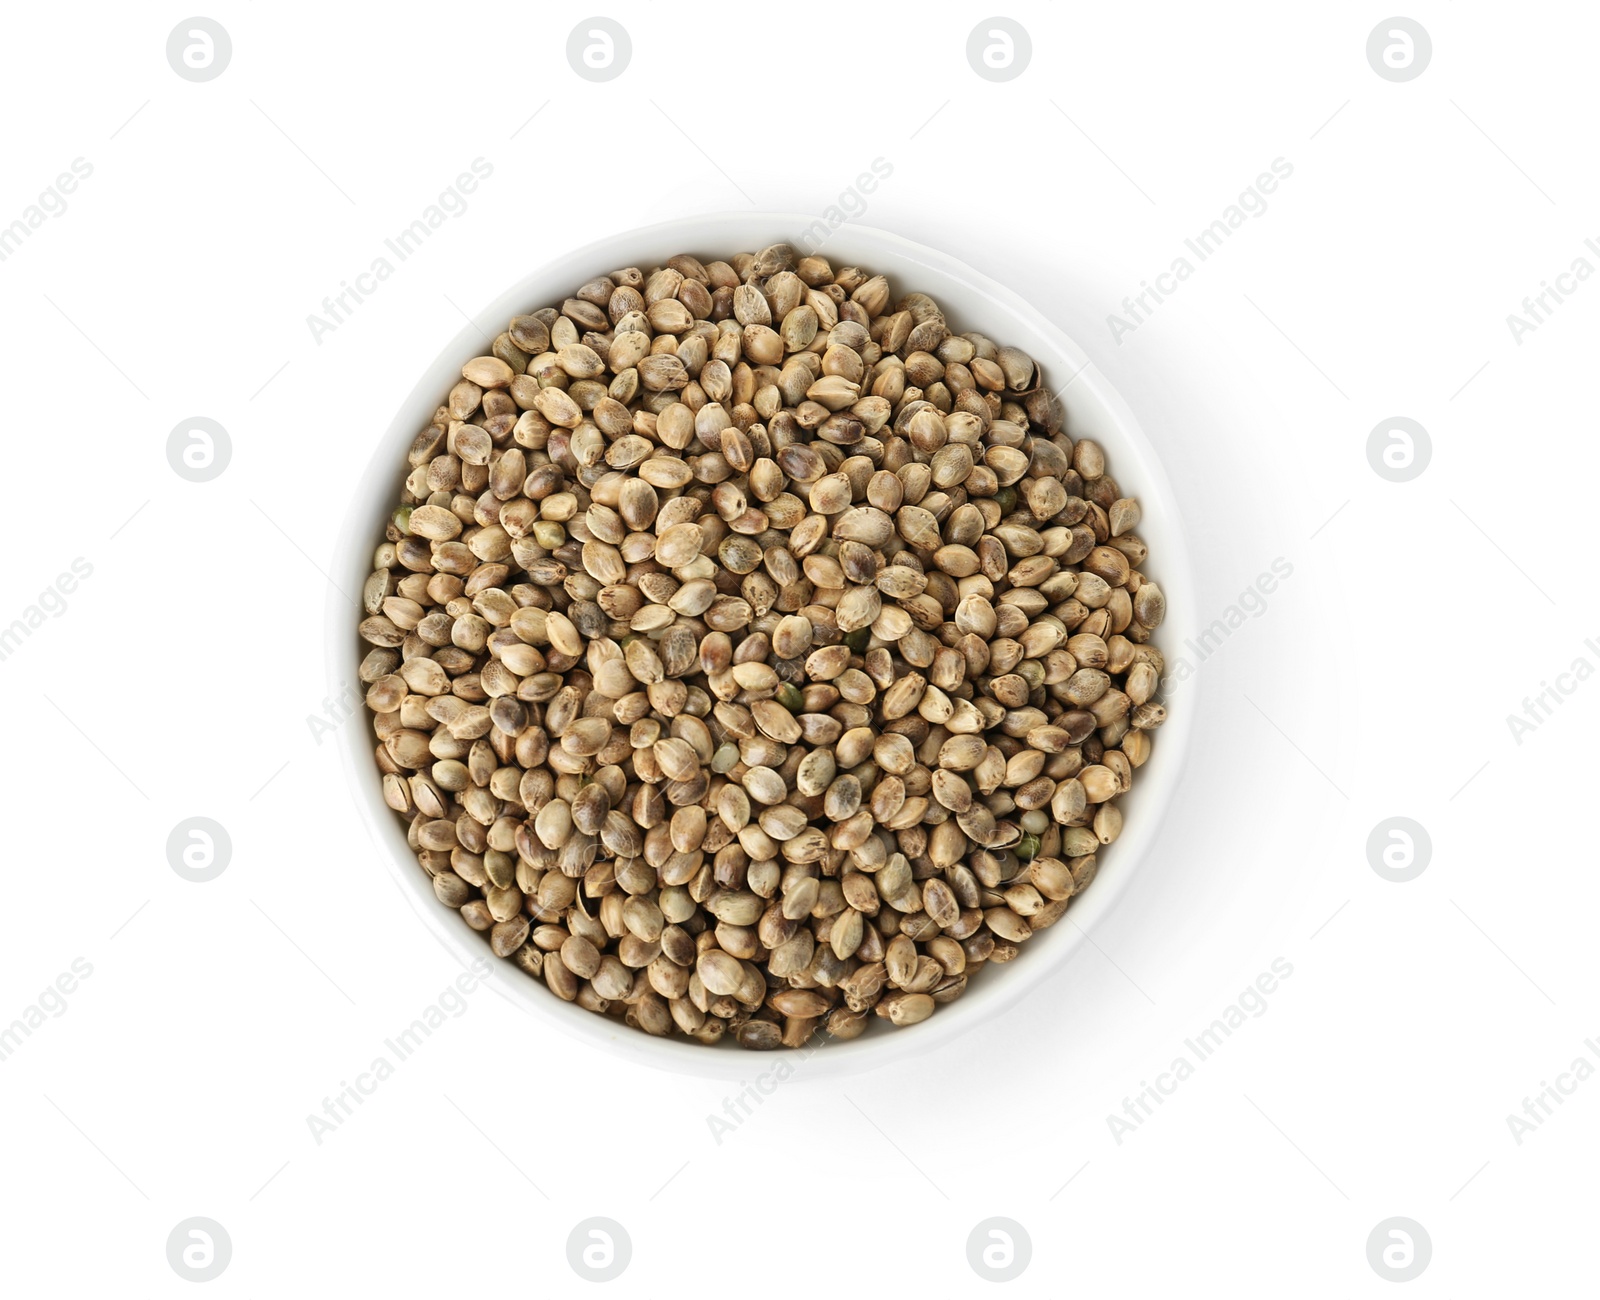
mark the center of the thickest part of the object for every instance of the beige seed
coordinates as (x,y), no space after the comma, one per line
(906,1008)
(1099,783)
(580,957)
(846,934)
(857,608)
(679,544)
(776,721)
(900,959)
(799,900)
(563,635)
(765,786)
(508,936)
(676,758)
(940,903)
(558,408)
(1149,605)
(755,676)
(487,372)
(435,523)
(792,637)
(952,790)
(553,823)
(721,974)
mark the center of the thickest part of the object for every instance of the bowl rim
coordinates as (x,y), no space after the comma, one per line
(372,498)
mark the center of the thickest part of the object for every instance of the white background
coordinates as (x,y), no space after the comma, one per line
(180,677)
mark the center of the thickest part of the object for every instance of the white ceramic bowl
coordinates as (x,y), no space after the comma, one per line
(971,302)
